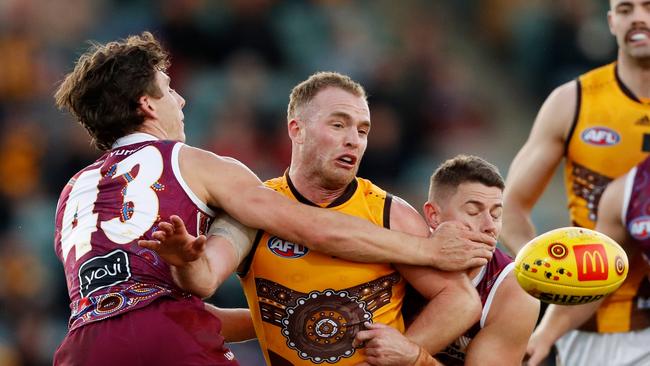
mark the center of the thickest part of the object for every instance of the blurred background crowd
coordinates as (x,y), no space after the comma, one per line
(444,77)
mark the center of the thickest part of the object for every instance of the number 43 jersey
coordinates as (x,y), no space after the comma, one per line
(102,213)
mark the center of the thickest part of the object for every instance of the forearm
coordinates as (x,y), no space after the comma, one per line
(446,317)
(425,359)
(236,324)
(203,276)
(560,319)
(195,277)
(518,228)
(332,233)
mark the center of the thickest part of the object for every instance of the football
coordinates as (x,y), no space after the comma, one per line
(571,266)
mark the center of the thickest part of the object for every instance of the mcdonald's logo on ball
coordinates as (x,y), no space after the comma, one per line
(570,266)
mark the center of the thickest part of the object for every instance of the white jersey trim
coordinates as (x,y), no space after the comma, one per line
(177,173)
(627,193)
(479,277)
(488,303)
(133,138)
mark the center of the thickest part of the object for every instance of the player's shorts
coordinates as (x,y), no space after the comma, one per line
(577,348)
(166,332)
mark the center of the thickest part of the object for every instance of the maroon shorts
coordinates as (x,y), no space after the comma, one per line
(166,332)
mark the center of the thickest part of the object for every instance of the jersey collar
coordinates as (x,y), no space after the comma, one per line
(133,138)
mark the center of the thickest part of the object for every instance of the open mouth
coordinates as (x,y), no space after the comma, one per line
(638,36)
(347,160)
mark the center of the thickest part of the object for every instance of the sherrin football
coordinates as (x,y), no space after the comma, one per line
(571,266)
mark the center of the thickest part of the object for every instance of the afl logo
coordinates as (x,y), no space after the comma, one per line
(600,136)
(639,228)
(286,249)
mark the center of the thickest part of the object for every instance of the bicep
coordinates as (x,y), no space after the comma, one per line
(511,321)
(610,220)
(535,163)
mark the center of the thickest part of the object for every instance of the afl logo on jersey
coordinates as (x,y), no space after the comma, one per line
(286,249)
(600,136)
(639,228)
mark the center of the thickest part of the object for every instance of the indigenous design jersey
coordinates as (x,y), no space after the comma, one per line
(636,207)
(636,218)
(307,306)
(487,283)
(610,135)
(103,211)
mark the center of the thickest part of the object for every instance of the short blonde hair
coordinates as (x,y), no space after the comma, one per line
(304,92)
(462,169)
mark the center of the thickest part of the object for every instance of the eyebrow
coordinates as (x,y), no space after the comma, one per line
(480,204)
(347,117)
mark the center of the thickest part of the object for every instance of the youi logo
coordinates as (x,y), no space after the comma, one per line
(600,136)
(286,249)
(639,228)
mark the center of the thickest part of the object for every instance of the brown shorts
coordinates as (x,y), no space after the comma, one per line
(166,332)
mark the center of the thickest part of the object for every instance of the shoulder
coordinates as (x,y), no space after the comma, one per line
(202,159)
(512,302)
(557,114)
(405,218)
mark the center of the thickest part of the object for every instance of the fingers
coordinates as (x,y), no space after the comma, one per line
(179,225)
(149,244)
(199,243)
(166,227)
(479,237)
(476,262)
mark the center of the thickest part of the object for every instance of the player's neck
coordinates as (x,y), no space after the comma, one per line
(635,74)
(473,272)
(309,186)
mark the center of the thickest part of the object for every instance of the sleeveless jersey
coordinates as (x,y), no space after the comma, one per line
(486,282)
(307,306)
(610,134)
(636,207)
(103,211)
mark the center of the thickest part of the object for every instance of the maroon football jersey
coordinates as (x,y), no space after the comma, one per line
(486,282)
(102,213)
(636,208)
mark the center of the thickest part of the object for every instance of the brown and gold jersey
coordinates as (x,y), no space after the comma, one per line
(307,306)
(610,135)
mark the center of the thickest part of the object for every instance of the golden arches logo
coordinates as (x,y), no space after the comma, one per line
(591,260)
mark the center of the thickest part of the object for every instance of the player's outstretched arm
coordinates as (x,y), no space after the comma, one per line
(236,324)
(199,266)
(507,328)
(534,165)
(228,184)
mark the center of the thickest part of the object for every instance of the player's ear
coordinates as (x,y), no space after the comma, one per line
(296,130)
(147,109)
(609,22)
(431,214)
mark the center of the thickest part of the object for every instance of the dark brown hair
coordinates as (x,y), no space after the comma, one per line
(103,90)
(304,92)
(462,169)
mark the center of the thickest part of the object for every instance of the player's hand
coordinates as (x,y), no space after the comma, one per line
(455,247)
(538,349)
(386,346)
(174,244)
